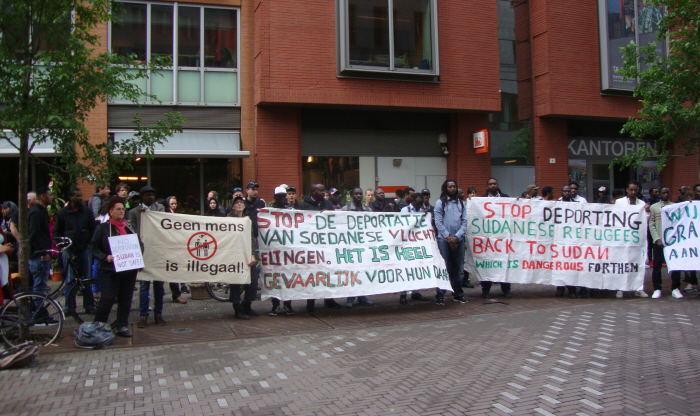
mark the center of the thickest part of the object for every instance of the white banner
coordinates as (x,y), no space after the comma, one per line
(335,254)
(679,233)
(126,251)
(192,249)
(599,246)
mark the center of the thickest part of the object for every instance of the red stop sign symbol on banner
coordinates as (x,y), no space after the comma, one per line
(201,246)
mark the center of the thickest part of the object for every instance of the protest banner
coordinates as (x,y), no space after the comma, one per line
(334,254)
(192,249)
(126,251)
(598,246)
(679,233)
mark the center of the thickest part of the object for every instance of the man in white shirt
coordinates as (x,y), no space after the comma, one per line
(575,197)
(632,191)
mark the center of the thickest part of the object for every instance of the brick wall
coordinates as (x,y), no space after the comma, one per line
(295,59)
(463,164)
(278,146)
(549,140)
(682,170)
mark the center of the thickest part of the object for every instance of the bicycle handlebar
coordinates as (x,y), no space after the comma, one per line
(62,244)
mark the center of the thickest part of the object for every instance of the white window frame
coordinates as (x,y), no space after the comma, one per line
(343,31)
(175,68)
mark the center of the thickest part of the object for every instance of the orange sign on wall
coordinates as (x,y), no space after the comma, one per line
(481,141)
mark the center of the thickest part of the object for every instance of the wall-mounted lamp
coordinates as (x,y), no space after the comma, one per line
(442,138)
(445,151)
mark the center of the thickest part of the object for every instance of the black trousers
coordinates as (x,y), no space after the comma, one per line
(486,286)
(276,303)
(175,290)
(249,290)
(116,287)
(656,271)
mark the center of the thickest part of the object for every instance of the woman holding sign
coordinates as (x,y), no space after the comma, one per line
(116,286)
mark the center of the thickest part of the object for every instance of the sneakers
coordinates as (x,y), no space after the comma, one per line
(403,300)
(348,304)
(417,296)
(677,294)
(123,331)
(362,300)
(641,294)
(656,294)
(690,288)
(288,310)
(275,310)
(332,304)
(460,299)
(618,294)
(440,301)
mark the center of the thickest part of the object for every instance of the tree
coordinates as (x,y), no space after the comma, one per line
(51,77)
(669,88)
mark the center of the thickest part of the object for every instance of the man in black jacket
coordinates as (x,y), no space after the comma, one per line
(380,204)
(316,202)
(40,241)
(77,222)
(493,191)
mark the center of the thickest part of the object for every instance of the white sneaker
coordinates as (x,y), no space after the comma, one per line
(641,294)
(656,294)
(677,294)
(618,294)
(690,288)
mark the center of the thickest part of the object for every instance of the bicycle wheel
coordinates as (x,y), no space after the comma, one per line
(31,317)
(218,291)
(80,314)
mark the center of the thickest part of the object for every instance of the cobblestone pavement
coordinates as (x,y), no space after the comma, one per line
(605,356)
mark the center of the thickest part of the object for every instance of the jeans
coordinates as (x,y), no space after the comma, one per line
(144,295)
(656,273)
(454,261)
(82,266)
(250,290)
(116,287)
(175,290)
(40,271)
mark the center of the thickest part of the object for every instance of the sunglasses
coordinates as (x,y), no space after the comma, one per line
(237,189)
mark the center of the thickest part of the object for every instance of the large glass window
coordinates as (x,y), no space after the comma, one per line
(373,39)
(622,22)
(202,43)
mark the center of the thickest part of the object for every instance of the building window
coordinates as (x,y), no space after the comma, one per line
(622,22)
(397,37)
(202,43)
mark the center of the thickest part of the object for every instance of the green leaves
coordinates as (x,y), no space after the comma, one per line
(51,78)
(668,90)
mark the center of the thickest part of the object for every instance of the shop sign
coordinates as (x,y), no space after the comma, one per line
(481,141)
(606,148)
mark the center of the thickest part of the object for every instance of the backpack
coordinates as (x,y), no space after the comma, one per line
(93,335)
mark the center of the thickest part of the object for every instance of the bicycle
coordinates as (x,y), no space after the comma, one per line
(218,291)
(38,317)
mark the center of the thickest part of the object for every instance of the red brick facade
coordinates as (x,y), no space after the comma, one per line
(558,68)
(295,65)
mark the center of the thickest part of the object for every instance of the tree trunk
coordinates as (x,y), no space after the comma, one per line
(22,206)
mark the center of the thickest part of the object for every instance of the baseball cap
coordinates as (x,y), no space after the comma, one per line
(531,187)
(425,192)
(291,189)
(145,189)
(251,185)
(333,191)
(133,194)
(602,189)
(280,190)
(237,189)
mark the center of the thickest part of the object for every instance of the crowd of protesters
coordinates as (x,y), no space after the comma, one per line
(89,223)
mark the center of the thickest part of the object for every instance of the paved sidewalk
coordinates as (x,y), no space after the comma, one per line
(623,357)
